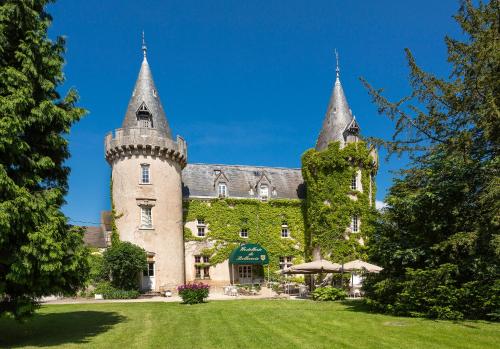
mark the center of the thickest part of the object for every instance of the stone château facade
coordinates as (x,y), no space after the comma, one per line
(189,217)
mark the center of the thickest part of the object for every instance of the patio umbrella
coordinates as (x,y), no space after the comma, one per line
(361,265)
(314,267)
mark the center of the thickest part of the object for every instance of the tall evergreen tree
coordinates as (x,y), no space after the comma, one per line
(40,254)
(439,239)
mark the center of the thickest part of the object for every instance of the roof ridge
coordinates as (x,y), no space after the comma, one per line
(258,166)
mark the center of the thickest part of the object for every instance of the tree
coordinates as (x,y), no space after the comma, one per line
(124,261)
(40,253)
(438,240)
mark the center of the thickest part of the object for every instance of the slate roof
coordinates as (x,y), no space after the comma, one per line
(337,118)
(145,92)
(94,237)
(200,181)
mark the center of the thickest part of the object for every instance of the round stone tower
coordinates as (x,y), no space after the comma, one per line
(146,168)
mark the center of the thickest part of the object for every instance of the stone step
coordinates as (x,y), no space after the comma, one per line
(150,294)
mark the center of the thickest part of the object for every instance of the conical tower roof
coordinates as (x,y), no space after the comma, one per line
(337,119)
(146,98)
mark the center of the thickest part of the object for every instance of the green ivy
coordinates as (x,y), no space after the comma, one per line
(115,236)
(226,217)
(328,205)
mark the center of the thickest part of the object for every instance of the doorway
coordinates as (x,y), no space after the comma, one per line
(245,274)
(148,277)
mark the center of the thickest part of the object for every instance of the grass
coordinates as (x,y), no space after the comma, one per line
(238,324)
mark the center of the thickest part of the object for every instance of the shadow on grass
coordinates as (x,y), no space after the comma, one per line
(57,328)
(357,305)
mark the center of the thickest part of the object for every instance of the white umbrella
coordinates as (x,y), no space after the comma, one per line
(361,265)
(314,267)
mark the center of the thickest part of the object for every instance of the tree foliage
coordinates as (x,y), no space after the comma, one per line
(438,240)
(123,262)
(39,253)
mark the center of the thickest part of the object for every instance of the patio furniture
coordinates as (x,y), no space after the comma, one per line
(355,291)
(303,291)
(233,291)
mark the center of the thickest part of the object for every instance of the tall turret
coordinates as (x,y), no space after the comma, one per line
(146,165)
(339,124)
(340,183)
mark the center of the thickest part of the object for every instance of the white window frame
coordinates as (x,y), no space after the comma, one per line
(199,271)
(244,233)
(285,262)
(143,168)
(264,189)
(150,271)
(355,224)
(354,182)
(201,228)
(201,231)
(285,232)
(222,189)
(146,218)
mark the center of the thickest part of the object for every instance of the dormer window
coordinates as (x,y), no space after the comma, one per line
(222,190)
(144,117)
(264,192)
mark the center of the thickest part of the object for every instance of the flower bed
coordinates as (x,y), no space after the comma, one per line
(193,293)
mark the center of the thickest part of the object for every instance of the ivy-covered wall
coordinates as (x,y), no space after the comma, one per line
(331,203)
(263,220)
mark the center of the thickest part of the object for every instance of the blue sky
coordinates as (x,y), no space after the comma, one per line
(242,82)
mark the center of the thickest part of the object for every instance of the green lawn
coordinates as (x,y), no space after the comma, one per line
(238,324)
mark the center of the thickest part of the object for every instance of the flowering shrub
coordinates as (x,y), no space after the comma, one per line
(193,293)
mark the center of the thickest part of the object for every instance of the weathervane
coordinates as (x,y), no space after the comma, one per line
(144,48)
(337,70)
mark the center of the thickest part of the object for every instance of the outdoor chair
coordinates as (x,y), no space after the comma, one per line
(303,291)
(355,292)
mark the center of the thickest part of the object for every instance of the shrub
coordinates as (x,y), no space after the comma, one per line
(433,293)
(193,293)
(124,261)
(97,272)
(328,293)
(109,292)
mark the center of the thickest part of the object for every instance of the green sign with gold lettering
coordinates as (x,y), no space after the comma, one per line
(249,254)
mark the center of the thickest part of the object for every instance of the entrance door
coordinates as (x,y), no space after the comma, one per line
(148,277)
(245,274)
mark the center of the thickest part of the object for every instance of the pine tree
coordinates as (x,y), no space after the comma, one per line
(439,240)
(40,253)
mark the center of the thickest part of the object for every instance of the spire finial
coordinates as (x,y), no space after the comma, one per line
(337,70)
(144,48)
